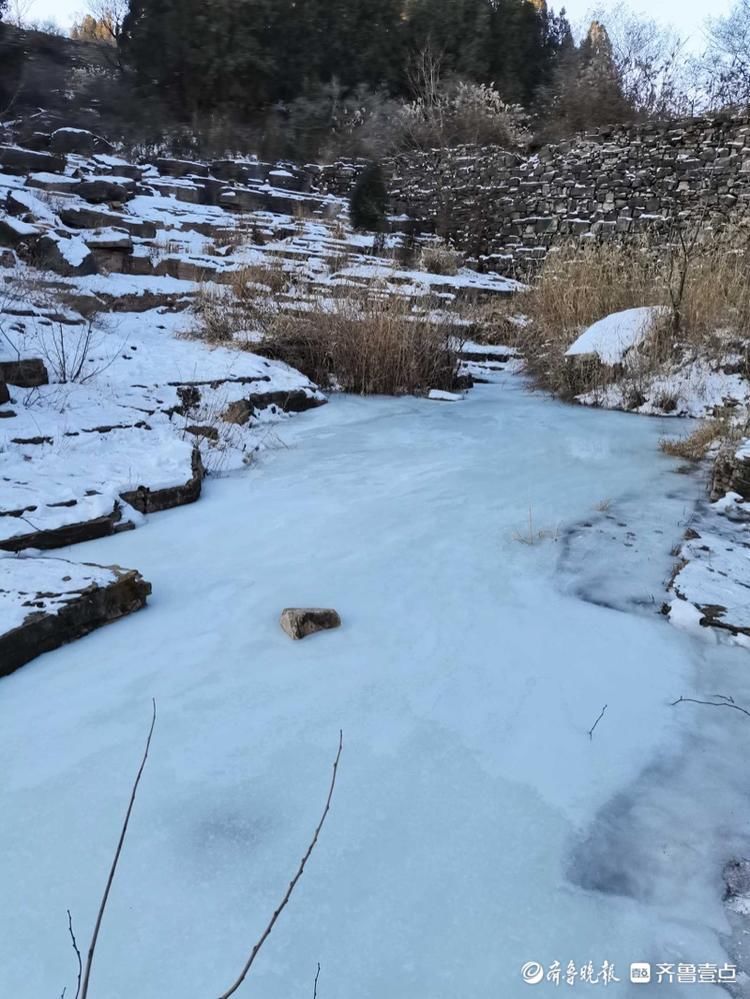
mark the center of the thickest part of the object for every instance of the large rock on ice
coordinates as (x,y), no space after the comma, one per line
(299,622)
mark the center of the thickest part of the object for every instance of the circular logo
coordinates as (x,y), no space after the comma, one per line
(532,972)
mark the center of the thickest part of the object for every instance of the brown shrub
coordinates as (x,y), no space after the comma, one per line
(695,446)
(365,345)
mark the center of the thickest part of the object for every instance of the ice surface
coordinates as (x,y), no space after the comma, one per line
(475,825)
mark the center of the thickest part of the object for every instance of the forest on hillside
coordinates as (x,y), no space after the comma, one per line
(362,77)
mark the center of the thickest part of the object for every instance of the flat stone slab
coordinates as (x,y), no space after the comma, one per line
(48,602)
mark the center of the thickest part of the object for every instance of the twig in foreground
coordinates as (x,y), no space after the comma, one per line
(118,851)
(292,884)
(78,953)
(315,986)
(712,704)
(601,715)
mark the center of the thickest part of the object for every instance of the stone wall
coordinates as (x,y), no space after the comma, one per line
(504,209)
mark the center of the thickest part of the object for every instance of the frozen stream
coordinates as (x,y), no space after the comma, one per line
(475,824)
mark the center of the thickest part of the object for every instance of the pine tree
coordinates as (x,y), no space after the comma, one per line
(369,200)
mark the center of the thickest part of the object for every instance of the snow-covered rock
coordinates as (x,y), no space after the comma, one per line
(609,339)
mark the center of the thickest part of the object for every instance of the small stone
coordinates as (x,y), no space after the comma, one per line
(238,412)
(299,622)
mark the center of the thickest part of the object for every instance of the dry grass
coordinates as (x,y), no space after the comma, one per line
(365,345)
(532,535)
(217,313)
(248,281)
(579,284)
(440,259)
(695,446)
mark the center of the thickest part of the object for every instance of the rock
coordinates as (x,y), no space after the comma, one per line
(26,373)
(16,160)
(210,433)
(181,168)
(93,218)
(64,256)
(238,412)
(54,619)
(737,878)
(69,534)
(109,239)
(146,500)
(7,258)
(14,232)
(4,393)
(77,140)
(299,622)
(731,472)
(100,189)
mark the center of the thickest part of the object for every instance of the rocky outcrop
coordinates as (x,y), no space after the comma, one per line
(54,619)
(299,622)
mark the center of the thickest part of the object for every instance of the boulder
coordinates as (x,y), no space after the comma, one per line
(737,881)
(93,218)
(26,373)
(238,412)
(181,168)
(15,160)
(299,622)
(77,140)
(4,393)
(119,167)
(731,472)
(7,258)
(14,232)
(101,189)
(68,257)
(109,239)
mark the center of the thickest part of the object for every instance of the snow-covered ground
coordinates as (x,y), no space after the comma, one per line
(476,825)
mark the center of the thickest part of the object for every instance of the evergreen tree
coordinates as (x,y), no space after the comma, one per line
(369,200)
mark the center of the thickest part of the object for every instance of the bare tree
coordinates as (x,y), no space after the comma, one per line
(649,60)
(725,64)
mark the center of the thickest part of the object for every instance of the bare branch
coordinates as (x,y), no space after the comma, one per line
(601,715)
(292,884)
(78,954)
(110,879)
(315,986)
(713,704)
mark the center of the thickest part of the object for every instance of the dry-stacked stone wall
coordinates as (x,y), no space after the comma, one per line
(506,209)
